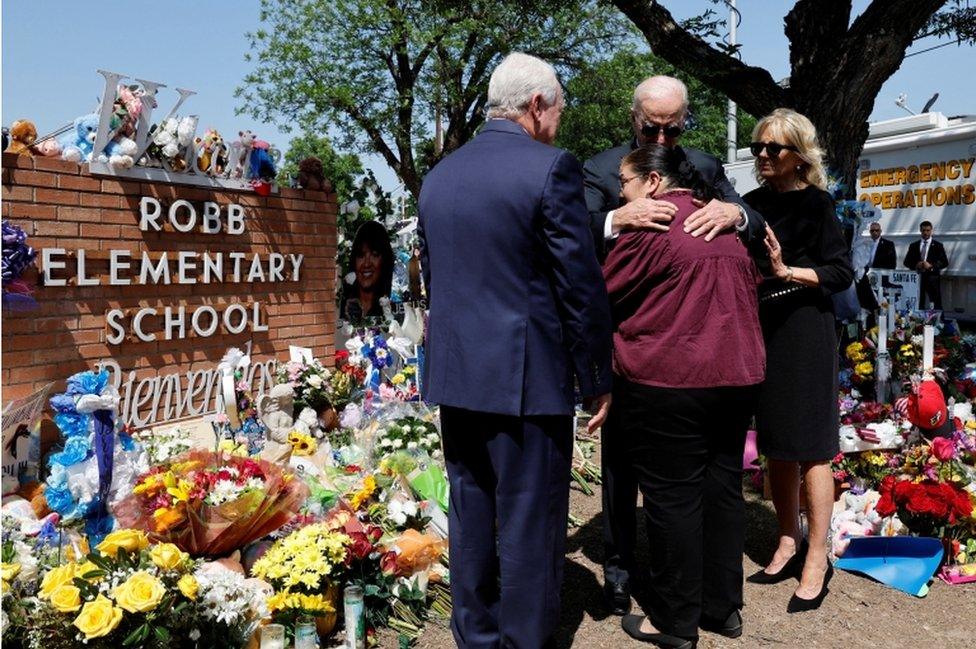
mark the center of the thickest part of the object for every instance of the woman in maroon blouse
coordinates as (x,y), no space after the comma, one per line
(688,353)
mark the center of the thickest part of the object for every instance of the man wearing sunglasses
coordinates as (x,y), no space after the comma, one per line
(659,112)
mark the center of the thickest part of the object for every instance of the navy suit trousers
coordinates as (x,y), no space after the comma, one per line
(509,504)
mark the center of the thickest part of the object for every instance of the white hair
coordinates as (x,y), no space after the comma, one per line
(660,87)
(516,79)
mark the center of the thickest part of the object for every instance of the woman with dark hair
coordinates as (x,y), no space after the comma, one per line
(688,353)
(372,262)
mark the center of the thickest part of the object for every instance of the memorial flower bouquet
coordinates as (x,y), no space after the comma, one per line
(210,504)
(132,594)
(928,507)
(304,569)
(312,383)
(408,433)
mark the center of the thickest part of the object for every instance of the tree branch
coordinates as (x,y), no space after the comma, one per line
(751,87)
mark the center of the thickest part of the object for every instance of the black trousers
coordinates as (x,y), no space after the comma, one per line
(685,447)
(930,289)
(619,490)
(509,505)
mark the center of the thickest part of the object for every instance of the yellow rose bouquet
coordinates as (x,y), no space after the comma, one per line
(132,593)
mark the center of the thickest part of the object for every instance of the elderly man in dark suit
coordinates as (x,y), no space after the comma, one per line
(882,250)
(518,315)
(659,112)
(928,257)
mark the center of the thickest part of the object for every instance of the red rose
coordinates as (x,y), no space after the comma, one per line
(341,357)
(361,547)
(374,533)
(962,505)
(903,490)
(943,449)
(388,563)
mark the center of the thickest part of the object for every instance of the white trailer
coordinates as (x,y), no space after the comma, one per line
(914,169)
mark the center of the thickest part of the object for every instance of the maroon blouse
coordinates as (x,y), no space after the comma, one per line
(685,311)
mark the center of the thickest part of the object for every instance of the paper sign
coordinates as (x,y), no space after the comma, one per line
(300,354)
(22,439)
(898,287)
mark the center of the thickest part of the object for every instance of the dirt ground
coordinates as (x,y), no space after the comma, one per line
(857,613)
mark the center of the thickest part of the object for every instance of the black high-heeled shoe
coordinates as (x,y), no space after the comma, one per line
(790,569)
(798,604)
(632,623)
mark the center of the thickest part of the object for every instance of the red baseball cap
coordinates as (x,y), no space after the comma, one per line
(927,407)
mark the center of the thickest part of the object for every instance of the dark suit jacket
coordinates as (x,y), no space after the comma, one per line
(885,257)
(517,300)
(937,257)
(601,175)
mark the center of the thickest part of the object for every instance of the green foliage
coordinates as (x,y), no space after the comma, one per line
(341,169)
(379,72)
(600,96)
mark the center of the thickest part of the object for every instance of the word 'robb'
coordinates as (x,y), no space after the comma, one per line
(126,267)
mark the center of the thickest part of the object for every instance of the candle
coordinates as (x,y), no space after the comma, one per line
(273,636)
(882,331)
(928,347)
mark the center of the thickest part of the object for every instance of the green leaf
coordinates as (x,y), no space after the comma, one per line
(161,633)
(371,590)
(136,635)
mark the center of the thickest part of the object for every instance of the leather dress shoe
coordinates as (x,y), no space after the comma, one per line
(617,595)
(731,627)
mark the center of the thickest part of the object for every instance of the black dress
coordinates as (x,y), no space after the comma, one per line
(797,415)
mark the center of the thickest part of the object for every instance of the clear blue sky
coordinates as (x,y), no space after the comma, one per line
(52,48)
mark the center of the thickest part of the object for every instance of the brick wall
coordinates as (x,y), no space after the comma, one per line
(60,205)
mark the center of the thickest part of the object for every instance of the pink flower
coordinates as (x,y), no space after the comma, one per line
(943,449)
(221,418)
(387,393)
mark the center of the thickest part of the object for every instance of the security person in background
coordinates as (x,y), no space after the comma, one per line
(928,257)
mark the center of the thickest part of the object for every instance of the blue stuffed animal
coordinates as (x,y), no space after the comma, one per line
(78,146)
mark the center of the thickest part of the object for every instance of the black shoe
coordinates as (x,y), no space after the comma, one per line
(617,595)
(789,571)
(632,623)
(731,627)
(798,604)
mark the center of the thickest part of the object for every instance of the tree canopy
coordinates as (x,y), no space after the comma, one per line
(379,72)
(838,61)
(599,98)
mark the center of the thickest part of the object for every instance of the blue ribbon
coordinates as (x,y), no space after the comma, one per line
(105,455)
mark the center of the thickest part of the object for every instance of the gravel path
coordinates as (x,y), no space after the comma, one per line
(857,613)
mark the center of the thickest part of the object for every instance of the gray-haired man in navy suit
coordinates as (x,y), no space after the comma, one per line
(518,316)
(658,115)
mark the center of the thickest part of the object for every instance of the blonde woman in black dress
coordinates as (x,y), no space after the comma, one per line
(797,415)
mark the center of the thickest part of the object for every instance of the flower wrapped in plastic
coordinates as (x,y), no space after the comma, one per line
(211,503)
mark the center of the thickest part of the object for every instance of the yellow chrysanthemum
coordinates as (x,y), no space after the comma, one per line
(364,494)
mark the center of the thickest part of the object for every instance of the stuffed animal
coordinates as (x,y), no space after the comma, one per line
(212,158)
(310,174)
(49,148)
(244,143)
(78,145)
(168,139)
(22,137)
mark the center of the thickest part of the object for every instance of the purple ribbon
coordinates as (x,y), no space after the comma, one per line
(105,455)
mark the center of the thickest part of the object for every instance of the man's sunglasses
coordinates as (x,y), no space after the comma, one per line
(650,131)
(772,148)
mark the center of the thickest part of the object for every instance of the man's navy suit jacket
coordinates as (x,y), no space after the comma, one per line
(518,306)
(602,178)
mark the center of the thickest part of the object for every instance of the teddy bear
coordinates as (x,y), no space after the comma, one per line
(168,139)
(23,134)
(77,146)
(310,174)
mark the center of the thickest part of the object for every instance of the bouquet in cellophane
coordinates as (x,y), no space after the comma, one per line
(211,503)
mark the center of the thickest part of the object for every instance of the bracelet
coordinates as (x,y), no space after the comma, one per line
(789,277)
